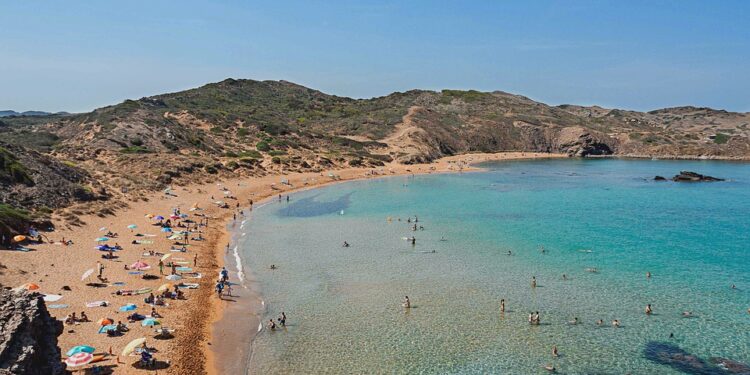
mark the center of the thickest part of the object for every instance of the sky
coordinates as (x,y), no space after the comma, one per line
(79,55)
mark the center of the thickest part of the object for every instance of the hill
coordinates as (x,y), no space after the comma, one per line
(247,127)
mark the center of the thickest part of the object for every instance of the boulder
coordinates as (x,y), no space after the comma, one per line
(659,178)
(687,176)
(28,338)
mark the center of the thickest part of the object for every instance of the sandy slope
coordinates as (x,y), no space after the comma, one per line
(54,266)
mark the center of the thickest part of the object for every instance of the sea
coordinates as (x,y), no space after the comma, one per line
(587,230)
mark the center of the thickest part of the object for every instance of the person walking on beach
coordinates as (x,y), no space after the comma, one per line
(195,260)
(174,268)
(99,269)
(161,267)
(219,288)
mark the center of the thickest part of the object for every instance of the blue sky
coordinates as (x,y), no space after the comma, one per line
(76,55)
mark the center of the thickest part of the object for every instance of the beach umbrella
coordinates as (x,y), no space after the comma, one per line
(150,322)
(80,349)
(132,226)
(19,238)
(102,239)
(130,347)
(79,359)
(108,327)
(166,229)
(104,321)
(174,217)
(102,229)
(149,216)
(87,274)
(165,287)
(128,307)
(160,218)
(29,286)
(165,257)
(173,277)
(140,266)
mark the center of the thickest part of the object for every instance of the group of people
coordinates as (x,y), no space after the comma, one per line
(281,322)
(72,319)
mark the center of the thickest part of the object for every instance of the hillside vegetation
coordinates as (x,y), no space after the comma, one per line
(246,127)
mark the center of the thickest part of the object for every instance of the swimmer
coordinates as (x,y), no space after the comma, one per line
(346,244)
(565,277)
(648,275)
(649,310)
(443,239)
(574,321)
(541,249)
(271,325)
(406,303)
(554,351)
(616,323)
(273,266)
(600,322)
(550,368)
(687,314)
(510,252)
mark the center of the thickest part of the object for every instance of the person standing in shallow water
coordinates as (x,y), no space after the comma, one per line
(502,305)
(406,303)
(533,281)
(649,310)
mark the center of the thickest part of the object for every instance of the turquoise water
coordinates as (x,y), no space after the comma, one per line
(343,304)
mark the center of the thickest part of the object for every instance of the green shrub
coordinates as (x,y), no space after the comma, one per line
(242,132)
(12,170)
(276,160)
(211,169)
(250,154)
(276,152)
(263,146)
(135,150)
(136,142)
(721,138)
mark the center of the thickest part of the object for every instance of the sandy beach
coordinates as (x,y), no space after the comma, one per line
(58,269)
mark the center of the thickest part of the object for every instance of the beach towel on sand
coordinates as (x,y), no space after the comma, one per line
(97,304)
(60,306)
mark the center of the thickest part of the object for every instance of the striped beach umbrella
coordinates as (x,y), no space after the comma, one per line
(140,266)
(79,359)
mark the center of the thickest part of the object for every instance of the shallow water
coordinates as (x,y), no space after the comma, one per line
(343,304)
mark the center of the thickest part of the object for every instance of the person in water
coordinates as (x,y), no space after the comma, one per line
(616,323)
(600,322)
(346,244)
(649,310)
(502,305)
(510,252)
(533,281)
(282,319)
(554,351)
(271,325)
(406,303)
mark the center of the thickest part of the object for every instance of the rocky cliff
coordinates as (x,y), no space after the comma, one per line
(28,336)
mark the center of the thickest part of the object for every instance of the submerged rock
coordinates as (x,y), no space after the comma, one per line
(687,176)
(28,338)
(659,178)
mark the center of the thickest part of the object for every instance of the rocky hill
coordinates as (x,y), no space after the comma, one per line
(246,127)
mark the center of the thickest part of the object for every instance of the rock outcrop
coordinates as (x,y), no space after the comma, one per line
(28,336)
(578,141)
(687,176)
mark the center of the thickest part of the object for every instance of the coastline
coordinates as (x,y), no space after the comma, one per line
(193,351)
(224,359)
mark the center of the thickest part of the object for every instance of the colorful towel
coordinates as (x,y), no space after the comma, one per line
(97,304)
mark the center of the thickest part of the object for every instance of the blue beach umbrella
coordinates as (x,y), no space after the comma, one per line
(160,218)
(150,322)
(102,239)
(128,307)
(106,328)
(132,226)
(102,247)
(166,229)
(80,349)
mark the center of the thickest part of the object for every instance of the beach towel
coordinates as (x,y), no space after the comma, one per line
(135,273)
(61,306)
(188,286)
(193,275)
(145,242)
(143,291)
(184,269)
(52,297)
(118,283)
(97,304)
